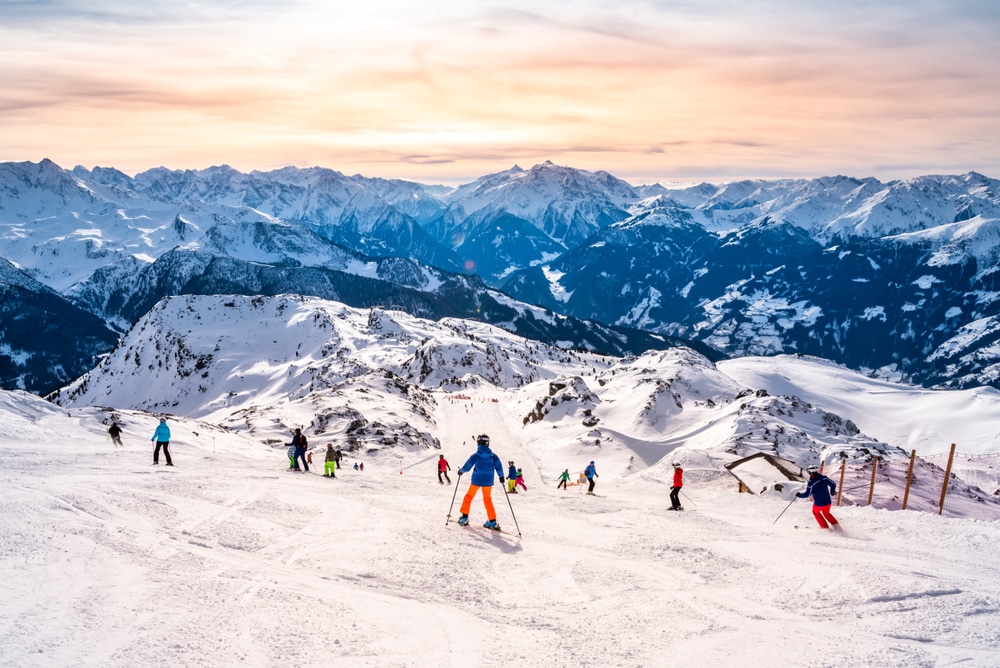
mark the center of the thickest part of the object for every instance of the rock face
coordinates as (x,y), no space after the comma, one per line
(45,340)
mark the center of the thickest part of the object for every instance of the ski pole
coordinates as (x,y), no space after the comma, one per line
(458,479)
(511,509)
(783,511)
(693,504)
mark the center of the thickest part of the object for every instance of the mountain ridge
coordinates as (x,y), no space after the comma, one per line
(816,266)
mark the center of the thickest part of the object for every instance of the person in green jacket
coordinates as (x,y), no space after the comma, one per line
(563,479)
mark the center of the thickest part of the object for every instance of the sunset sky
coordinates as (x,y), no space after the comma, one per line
(444,92)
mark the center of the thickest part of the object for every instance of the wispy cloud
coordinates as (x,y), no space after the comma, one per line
(443,88)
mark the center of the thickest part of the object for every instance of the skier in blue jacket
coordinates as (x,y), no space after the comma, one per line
(483,464)
(162,438)
(821,489)
(591,473)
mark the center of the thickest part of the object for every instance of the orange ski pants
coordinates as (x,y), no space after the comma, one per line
(491,514)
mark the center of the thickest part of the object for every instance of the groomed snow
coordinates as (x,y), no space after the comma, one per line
(228,559)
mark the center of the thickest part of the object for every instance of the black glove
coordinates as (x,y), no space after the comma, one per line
(460,473)
(501,480)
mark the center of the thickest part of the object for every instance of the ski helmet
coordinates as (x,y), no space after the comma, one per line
(676,465)
(482,439)
(813,469)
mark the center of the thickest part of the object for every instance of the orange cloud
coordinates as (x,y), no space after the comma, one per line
(447,92)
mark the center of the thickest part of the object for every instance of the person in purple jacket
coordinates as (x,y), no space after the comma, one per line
(483,464)
(821,489)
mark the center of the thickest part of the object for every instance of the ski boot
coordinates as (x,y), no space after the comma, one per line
(492,524)
(463,520)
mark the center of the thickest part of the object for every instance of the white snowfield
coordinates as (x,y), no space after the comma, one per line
(229,559)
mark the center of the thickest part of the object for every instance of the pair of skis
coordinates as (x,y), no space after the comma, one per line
(455,493)
(497,530)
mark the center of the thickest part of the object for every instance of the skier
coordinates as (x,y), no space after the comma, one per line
(355,466)
(162,438)
(821,489)
(675,490)
(338,456)
(511,478)
(300,444)
(563,479)
(443,468)
(519,481)
(331,462)
(591,473)
(482,463)
(116,433)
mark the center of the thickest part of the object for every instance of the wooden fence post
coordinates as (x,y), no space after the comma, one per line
(871,490)
(947,475)
(840,487)
(909,478)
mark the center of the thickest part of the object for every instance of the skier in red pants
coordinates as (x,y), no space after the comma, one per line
(821,489)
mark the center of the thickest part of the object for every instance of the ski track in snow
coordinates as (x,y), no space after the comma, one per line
(229,559)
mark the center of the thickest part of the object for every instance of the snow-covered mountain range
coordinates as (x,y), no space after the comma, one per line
(894,279)
(114,246)
(898,279)
(374,381)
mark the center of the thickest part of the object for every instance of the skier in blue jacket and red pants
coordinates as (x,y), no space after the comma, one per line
(483,463)
(821,489)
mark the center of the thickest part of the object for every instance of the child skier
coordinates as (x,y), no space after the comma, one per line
(821,489)
(563,479)
(519,481)
(511,478)
(483,463)
(675,490)
(443,468)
